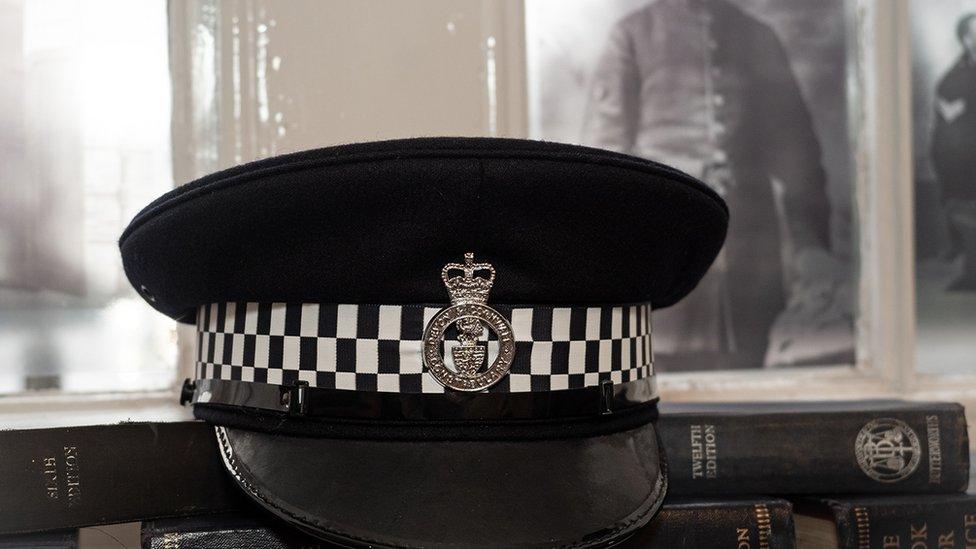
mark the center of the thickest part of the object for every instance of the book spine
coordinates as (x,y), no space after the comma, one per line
(895,451)
(57,539)
(86,476)
(736,524)
(224,531)
(934,524)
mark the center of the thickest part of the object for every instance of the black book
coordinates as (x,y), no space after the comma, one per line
(731,523)
(887,522)
(55,539)
(815,448)
(226,531)
(83,476)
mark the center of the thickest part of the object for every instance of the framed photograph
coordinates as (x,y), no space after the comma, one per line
(944,141)
(744,95)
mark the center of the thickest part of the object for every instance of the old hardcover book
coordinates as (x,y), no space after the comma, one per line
(732,523)
(55,539)
(237,530)
(815,448)
(83,476)
(883,522)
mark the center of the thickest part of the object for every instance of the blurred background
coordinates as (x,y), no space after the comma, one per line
(106,104)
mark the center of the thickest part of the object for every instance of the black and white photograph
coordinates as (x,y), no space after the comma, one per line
(745,95)
(944,139)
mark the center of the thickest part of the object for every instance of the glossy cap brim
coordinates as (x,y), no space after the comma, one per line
(573,492)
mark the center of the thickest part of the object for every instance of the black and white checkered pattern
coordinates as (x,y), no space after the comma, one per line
(378,347)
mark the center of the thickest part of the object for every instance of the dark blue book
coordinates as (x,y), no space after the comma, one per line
(85,476)
(720,523)
(886,522)
(56,539)
(864,447)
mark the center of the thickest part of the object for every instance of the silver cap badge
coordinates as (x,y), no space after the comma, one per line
(470,314)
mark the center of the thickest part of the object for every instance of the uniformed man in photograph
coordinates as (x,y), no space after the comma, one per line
(954,150)
(704,86)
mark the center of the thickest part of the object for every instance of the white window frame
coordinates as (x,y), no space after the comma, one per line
(886,359)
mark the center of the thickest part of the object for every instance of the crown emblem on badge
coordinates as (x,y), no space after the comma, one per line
(468,288)
(471,316)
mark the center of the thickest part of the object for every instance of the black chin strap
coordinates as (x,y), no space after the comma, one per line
(425,430)
(300,400)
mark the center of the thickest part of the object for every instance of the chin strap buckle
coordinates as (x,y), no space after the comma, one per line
(295,398)
(606,397)
(186,392)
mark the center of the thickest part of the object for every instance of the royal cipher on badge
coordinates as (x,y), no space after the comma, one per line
(469,315)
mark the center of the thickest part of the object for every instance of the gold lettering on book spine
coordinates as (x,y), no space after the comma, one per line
(764,525)
(863,523)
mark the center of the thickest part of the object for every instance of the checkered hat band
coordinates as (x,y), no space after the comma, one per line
(378,347)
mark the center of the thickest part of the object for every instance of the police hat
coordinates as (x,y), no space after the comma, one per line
(433,342)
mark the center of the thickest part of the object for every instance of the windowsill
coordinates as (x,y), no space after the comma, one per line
(63,410)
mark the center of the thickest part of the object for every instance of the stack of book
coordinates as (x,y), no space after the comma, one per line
(869,474)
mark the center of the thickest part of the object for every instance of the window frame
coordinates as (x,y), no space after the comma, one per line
(885,327)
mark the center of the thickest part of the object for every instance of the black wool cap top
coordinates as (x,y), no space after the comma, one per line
(438,342)
(369,223)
